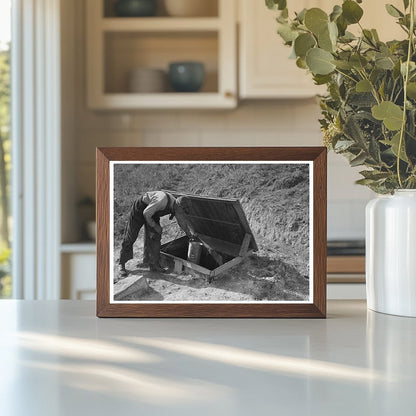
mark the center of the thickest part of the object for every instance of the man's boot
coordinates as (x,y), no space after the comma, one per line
(122,270)
(158,268)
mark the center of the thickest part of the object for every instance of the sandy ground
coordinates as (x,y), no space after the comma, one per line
(258,278)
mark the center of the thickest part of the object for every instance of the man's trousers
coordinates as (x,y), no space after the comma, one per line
(152,240)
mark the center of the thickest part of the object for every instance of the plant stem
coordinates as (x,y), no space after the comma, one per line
(346,75)
(405,81)
(373,88)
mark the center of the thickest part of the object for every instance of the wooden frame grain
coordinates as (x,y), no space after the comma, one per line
(317,309)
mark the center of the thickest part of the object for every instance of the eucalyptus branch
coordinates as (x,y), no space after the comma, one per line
(384,90)
(398,95)
(373,88)
(346,75)
(392,91)
(406,79)
(404,28)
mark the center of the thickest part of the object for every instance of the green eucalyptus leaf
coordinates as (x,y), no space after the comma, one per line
(393,11)
(406,4)
(321,79)
(301,63)
(365,182)
(363,86)
(368,36)
(325,42)
(388,112)
(334,91)
(320,61)
(394,146)
(281,19)
(285,13)
(358,160)
(358,61)
(351,11)
(353,130)
(405,21)
(287,33)
(336,12)
(333,32)
(276,4)
(412,67)
(362,99)
(411,123)
(301,15)
(382,89)
(303,43)
(384,62)
(342,25)
(374,174)
(347,37)
(343,145)
(377,75)
(316,20)
(374,150)
(411,90)
(344,65)
(375,35)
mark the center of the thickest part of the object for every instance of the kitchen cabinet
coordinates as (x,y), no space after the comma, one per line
(78,264)
(118,45)
(265,69)
(346,277)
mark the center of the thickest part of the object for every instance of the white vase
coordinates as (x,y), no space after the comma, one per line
(391,253)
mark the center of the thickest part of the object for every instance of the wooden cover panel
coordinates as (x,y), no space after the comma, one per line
(222,219)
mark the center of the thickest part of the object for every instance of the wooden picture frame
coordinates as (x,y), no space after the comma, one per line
(313,307)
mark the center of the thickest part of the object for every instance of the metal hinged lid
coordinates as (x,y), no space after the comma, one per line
(220,223)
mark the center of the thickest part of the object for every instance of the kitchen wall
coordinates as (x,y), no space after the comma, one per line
(253,123)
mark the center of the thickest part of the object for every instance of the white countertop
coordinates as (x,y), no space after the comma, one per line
(57,358)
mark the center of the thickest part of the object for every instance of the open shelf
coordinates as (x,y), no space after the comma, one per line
(119,45)
(87,247)
(126,51)
(167,100)
(160,24)
(210,7)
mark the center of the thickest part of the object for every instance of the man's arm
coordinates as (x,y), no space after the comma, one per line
(183,223)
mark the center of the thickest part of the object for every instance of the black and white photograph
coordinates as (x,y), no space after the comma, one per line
(211,232)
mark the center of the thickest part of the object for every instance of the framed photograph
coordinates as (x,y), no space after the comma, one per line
(211,232)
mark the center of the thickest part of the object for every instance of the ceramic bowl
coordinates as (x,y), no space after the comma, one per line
(186,76)
(147,80)
(135,8)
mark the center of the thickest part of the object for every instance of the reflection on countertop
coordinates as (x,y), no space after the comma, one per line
(355,362)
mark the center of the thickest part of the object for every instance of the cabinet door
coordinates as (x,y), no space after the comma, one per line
(376,17)
(265,68)
(78,276)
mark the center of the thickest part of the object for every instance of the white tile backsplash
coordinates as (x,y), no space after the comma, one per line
(346,219)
